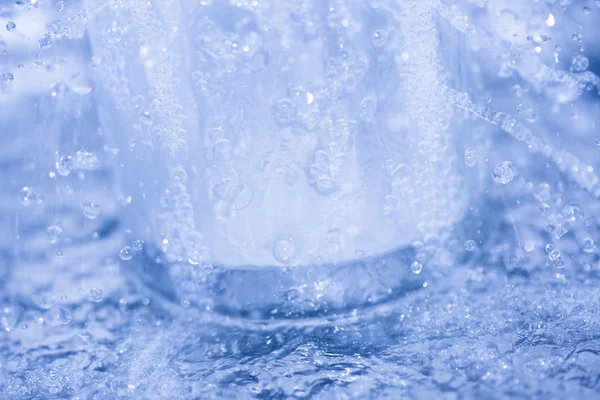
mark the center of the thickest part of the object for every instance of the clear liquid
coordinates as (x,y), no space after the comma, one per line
(499,303)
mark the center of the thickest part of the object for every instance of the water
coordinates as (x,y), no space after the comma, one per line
(340,199)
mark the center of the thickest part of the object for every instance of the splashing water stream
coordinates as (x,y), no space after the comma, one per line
(324,199)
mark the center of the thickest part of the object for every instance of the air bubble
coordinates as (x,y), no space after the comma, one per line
(64,164)
(470,245)
(504,172)
(91,210)
(138,103)
(416,267)
(285,112)
(470,157)
(216,134)
(580,63)
(531,115)
(226,190)
(54,233)
(138,245)
(58,316)
(96,295)
(179,175)
(284,251)
(588,246)
(554,255)
(368,107)
(11,26)
(379,38)
(146,118)
(6,77)
(126,253)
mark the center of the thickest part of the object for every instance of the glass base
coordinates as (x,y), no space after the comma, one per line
(272,293)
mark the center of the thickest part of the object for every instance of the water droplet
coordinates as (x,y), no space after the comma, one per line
(284,251)
(416,267)
(58,316)
(46,41)
(54,232)
(470,245)
(96,295)
(126,253)
(470,157)
(11,26)
(504,172)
